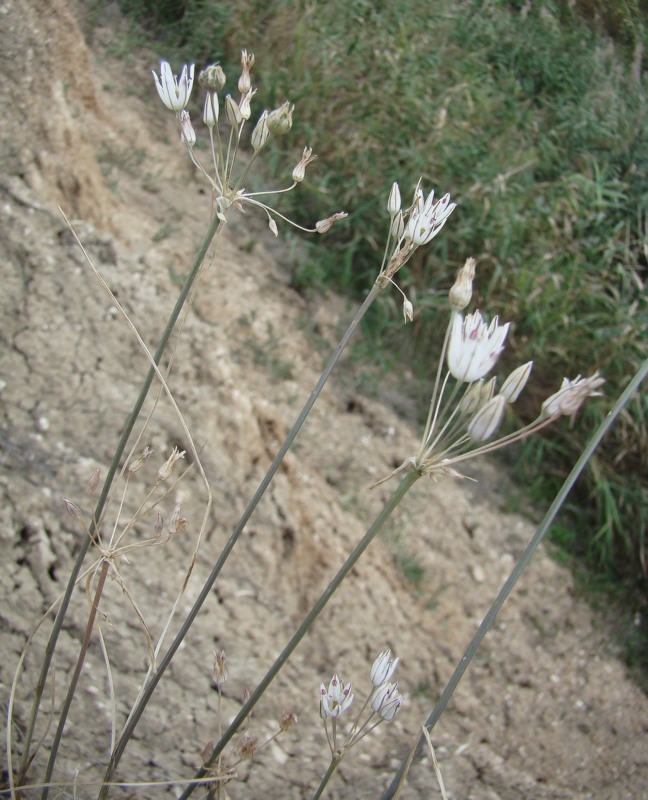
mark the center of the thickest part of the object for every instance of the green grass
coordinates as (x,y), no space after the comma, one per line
(533,115)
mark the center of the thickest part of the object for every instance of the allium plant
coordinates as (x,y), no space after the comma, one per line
(466,412)
(384,702)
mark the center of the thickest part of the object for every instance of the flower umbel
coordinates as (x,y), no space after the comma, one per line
(228,186)
(464,416)
(384,702)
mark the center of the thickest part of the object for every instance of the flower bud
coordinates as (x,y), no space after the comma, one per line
(210,113)
(212,78)
(515,382)
(233,112)
(260,133)
(394,202)
(280,120)
(472,398)
(397,227)
(487,420)
(383,668)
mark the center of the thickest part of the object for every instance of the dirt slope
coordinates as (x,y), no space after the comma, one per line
(545,712)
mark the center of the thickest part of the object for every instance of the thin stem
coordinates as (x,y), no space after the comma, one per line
(310,618)
(335,763)
(522,563)
(145,696)
(75,676)
(121,445)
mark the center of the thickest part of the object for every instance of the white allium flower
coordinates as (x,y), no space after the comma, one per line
(474,347)
(174,92)
(426,221)
(336,699)
(383,668)
(386,701)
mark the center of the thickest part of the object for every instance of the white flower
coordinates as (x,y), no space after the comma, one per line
(174,92)
(336,700)
(383,668)
(428,218)
(386,701)
(474,347)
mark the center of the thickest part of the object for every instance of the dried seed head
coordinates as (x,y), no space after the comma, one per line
(220,673)
(187,133)
(408,310)
(300,170)
(94,482)
(72,508)
(280,120)
(325,225)
(461,292)
(178,523)
(246,696)
(248,747)
(139,462)
(159,525)
(207,750)
(571,395)
(247,61)
(212,78)
(287,720)
(244,105)
(166,468)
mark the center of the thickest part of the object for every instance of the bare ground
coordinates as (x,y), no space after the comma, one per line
(546,711)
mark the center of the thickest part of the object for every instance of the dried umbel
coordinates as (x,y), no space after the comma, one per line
(224,176)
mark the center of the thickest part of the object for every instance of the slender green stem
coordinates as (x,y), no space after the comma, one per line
(154,679)
(522,563)
(405,485)
(121,446)
(335,763)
